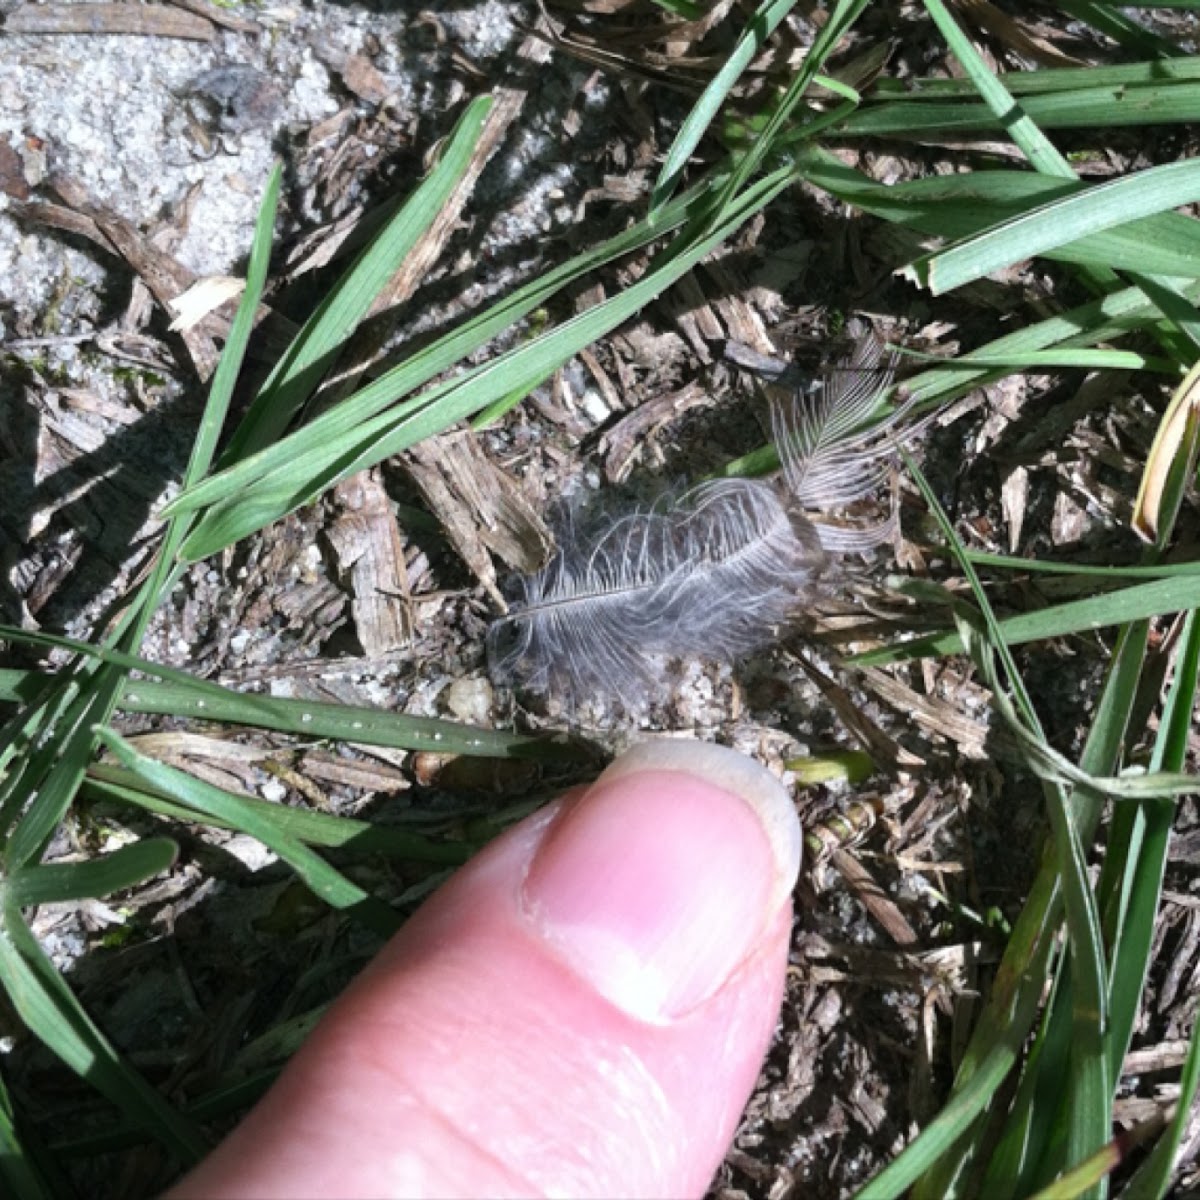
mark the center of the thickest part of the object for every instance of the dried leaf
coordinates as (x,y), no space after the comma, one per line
(1171,461)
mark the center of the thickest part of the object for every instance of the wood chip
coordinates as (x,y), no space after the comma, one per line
(163,274)
(145,20)
(620,445)
(479,507)
(1016,35)
(874,899)
(741,321)
(353,773)
(885,750)
(363,78)
(694,318)
(370,551)
(12,173)
(935,715)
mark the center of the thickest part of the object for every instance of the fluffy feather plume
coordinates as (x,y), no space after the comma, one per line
(712,573)
(831,454)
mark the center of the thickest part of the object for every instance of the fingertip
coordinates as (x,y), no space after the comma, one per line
(665,875)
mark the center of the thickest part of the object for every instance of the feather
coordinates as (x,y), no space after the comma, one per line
(711,573)
(830,453)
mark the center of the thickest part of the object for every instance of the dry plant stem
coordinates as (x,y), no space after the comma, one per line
(144,20)
(219,16)
(874,899)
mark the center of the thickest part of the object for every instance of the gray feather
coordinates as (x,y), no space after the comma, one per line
(712,573)
(831,453)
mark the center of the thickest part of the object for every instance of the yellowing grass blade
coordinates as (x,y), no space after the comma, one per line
(1171,461)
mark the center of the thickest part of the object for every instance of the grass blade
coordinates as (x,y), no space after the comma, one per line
(315,347)
(300,480)
(322,880)
(312,828)
(762,24)
(49,1010)
(1058,223)
(351,414)
(1171,595)
(178,694)
(48,883)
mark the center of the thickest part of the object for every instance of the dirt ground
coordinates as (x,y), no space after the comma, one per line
(131,166)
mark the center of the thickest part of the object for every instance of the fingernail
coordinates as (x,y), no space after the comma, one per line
(659,881)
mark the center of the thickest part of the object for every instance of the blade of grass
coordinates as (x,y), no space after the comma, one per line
(1058,223)
(355,410)
(1175,594)
(1090,1176)
(20,1172)
(938,1138)
(1087,1064)
(1121,27)
(1134,869)
(1105,106)
(303,478)
(959,206)
(324,881)
(49,1010)
(102,876)
(762,24)
(1032,83)
(1010,563)
(318,343)
(312,828)
(46,781)
(1153,1178)
(837,24)
(1019,126)
(178,694)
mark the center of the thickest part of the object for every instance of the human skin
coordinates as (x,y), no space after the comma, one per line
(581,1011)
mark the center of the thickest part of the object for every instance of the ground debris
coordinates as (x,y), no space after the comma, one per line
(142,20)
(370,552)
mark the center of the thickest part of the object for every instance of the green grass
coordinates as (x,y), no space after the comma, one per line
(1032,1100)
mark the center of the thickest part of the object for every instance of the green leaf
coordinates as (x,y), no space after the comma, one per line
(312,828)
(49,1010)
(48,883)
(958,206)
(1059,223)
(315,347)
(1016,121)
(342,423)
(178,694)
(323,881)
(763,22)
(304,477)
(1094,612)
